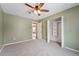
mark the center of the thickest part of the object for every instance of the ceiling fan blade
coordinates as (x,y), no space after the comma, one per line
(43,10)
(41,5)
(28,5)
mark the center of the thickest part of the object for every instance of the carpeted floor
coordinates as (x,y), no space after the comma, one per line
(36,48)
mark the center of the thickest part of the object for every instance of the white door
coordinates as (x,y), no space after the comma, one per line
(48,31)
(39,30)
(54,31)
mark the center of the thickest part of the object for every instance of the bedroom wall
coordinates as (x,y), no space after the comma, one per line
(16,28)
(1,18)
(71,27)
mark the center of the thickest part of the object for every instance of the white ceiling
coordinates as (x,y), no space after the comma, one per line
(21,9)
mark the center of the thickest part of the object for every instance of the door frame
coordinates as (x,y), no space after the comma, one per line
(62,31)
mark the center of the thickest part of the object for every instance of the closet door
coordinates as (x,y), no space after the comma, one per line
(39,30)
(54,31)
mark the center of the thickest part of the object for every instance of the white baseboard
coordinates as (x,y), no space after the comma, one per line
(13,43)
(17,42)
(71,49)
(1,48)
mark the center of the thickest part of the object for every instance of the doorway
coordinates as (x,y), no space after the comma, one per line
(55,31)
(34,30)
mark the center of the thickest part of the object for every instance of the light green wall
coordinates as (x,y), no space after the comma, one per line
(1,17)
(71,27)
(16,28)
(44,29)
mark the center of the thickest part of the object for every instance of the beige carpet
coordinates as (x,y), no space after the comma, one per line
(36,48)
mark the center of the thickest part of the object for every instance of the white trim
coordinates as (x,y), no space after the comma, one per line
(13,43)
(18,42)
(1,48)
(62,35)
(72,49)
(48,31)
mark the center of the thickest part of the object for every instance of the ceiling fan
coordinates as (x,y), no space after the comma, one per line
(37,9)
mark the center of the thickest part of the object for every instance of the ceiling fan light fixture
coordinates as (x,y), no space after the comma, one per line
(39,11)
(37,8)
(35,12)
